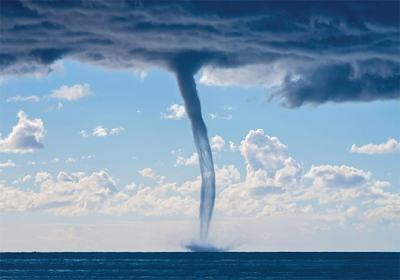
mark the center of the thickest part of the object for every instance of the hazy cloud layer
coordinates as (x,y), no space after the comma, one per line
(305,52)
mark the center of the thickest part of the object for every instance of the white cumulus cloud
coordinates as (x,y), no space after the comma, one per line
(68,196)
(391,146)
(9,163)
(130,186)
(177,112)
(101,131)
(193,160)
(42,176)
(25,136)
(151,174)
(217,143)
(71,93)
(328,176)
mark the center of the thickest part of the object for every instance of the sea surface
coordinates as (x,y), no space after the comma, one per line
(200,266)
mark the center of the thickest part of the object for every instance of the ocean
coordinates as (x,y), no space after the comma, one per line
(377,266)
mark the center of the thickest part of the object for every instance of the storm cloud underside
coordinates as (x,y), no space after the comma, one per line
(321,51)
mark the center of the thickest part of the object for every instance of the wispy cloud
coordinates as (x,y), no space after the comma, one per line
(20,98)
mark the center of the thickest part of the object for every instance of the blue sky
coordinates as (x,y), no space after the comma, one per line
(300,99)
(316,136)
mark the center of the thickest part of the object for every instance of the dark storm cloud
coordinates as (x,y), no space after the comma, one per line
(334,51)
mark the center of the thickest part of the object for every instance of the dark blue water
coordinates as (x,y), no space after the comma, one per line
(200,266)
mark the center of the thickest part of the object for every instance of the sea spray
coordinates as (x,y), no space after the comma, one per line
(188,91)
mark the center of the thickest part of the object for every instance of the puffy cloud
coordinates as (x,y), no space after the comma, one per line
(217,143)
(25,136)
(268,161)
(54,160)
(163,199)
(151,174)
(9,163)
(131,186)
(59,106)
(68,160)
(20,98)
(155,202)
(344,183)
(68,196)
(42,176)
(31,163)
(307,209)
(271,179)
(308,53)
(387,212)
(177,112)
(169,199)
(22,179)
(72,93)
(193,160)
(391,146)
(225,175)
(101,131)
(328,176)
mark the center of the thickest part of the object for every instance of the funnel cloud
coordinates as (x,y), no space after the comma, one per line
(188,90)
